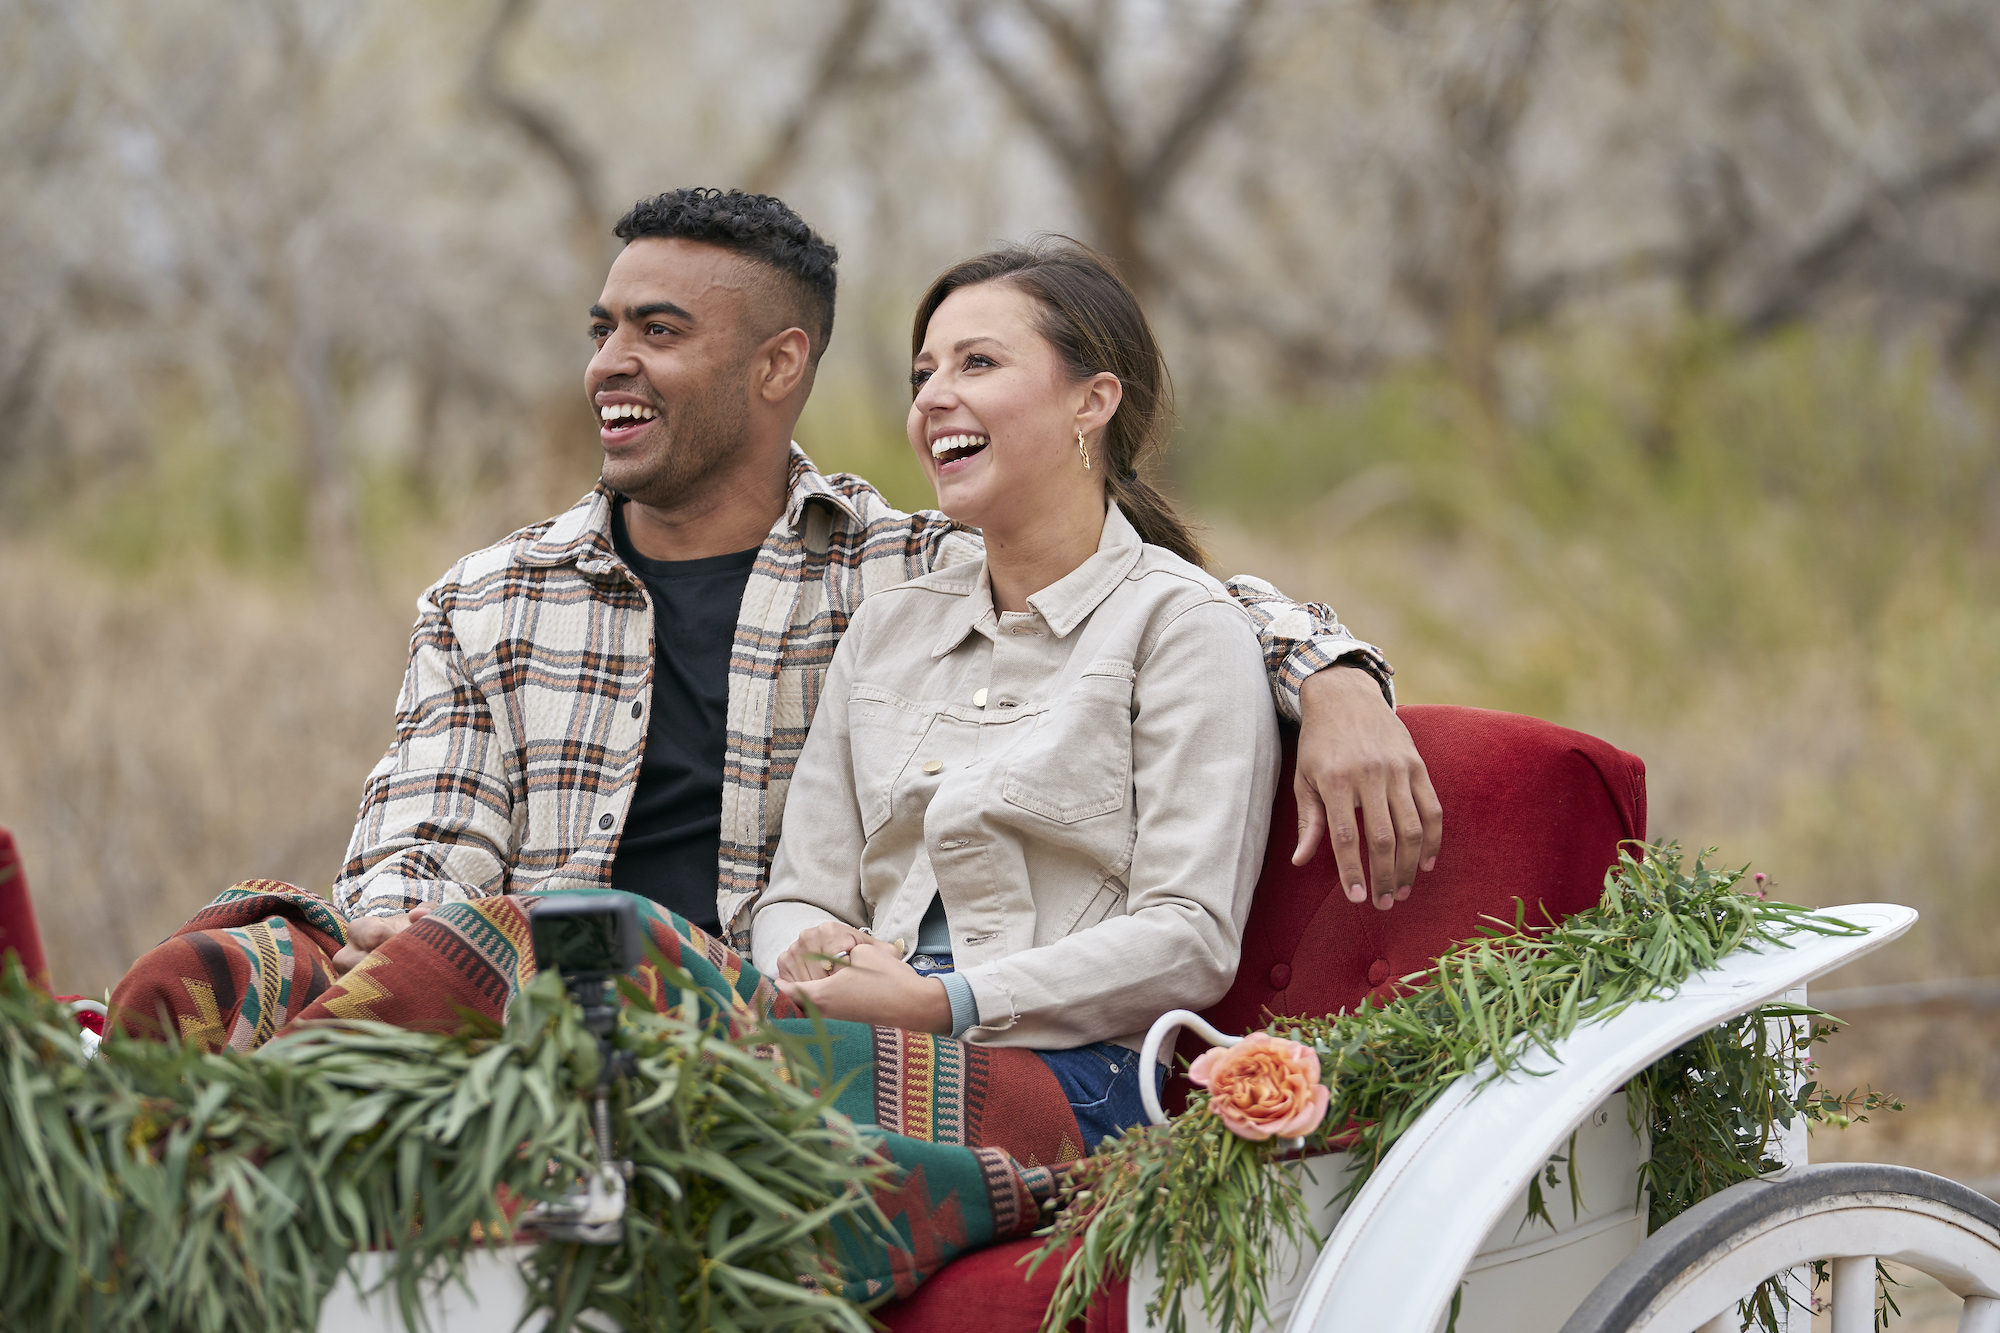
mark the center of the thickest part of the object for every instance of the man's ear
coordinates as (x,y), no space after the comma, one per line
(785,362)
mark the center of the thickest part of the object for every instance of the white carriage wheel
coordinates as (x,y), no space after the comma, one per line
(1691,1272)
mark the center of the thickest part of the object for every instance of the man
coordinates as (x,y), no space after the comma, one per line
(618,695)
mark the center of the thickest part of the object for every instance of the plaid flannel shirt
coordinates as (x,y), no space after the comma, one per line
(522,714)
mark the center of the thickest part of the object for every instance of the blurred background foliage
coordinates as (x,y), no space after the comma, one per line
(1633,363)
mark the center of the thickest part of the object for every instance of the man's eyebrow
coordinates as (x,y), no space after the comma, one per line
(639,312)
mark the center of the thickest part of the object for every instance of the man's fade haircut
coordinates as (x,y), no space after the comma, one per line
(761,228)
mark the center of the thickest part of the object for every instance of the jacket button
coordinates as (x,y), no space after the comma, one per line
(637,708)
(934,766)
(979,699)
(604,822)
(1378,971)
(1281,975)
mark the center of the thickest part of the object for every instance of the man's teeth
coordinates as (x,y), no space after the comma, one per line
(945,444)
(611,412)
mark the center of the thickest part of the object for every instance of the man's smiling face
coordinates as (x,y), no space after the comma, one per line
(672,379)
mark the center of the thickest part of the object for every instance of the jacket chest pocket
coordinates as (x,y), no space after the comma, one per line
(883,731)
(1077,763)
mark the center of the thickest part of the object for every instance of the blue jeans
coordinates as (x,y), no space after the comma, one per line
(1101,1080)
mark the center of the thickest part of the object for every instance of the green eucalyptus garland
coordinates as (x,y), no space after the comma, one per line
(1202,1204)
(159,1188)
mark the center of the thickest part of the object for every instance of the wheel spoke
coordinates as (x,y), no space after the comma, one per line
(1854,1295)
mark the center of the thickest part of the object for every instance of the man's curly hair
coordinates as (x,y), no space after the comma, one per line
(759,227)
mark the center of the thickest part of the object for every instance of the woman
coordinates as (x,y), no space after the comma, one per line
(1034,800)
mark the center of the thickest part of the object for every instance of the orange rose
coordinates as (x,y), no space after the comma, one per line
(1263,1087)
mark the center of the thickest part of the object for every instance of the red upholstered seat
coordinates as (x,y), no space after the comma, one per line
(1533,812)
(17,913)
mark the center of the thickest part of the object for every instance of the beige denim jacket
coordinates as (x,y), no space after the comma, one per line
(1087,784)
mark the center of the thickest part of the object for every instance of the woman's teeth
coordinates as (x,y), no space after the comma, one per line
(614,412)
(948,448)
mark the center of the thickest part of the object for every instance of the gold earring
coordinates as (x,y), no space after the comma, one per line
(1083,449)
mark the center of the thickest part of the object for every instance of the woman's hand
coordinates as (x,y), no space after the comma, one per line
(815,952)
(874,986)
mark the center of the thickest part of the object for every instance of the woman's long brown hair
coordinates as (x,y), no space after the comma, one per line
(1095,324)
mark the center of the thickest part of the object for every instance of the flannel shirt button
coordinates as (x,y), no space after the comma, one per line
(604,822)
(637,708)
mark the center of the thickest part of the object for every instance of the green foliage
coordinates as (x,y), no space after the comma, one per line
(1712,1109)
(1657,499)
(1203,1206)
(159,1188)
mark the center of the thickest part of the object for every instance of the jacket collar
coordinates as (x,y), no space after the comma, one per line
(1064,604)
(581,535)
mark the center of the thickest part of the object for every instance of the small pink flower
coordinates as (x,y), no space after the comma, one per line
(1263,1087)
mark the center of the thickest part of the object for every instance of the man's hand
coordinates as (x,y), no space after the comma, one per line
(1355,754)
(875,986)
(815,952)
(367,934)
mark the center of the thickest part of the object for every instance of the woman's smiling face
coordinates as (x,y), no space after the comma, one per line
(996,413)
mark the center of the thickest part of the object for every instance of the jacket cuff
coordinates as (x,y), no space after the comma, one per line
(964,1008)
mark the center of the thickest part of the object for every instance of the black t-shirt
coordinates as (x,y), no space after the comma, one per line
(673,832)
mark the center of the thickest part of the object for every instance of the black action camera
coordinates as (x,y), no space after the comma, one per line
(586,936)
(587,939)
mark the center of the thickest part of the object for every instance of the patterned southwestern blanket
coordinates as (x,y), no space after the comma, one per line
(977,1132)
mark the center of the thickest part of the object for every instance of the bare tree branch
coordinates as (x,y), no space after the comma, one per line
(1073,155)
(838,66)
(1119,185)
(1870,220)
(1228,66)
(542,130)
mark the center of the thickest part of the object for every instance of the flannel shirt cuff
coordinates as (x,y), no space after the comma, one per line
(1323,651)
(391,895)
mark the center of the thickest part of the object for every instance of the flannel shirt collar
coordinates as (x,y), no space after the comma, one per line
(1064,604)
(581,535)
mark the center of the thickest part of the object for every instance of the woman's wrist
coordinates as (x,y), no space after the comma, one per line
(937,1007)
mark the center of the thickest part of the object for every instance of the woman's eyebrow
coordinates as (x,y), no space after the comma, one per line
(964,343)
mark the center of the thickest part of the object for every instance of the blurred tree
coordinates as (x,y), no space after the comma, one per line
(836,69)
(1453,210)
(1091,126)
(575,164)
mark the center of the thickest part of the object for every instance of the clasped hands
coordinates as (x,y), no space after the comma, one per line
(855,977)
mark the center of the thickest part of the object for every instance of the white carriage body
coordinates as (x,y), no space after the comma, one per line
(1446,1212)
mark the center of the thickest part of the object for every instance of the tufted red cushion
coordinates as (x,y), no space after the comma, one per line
(1533,811)
(17,913)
